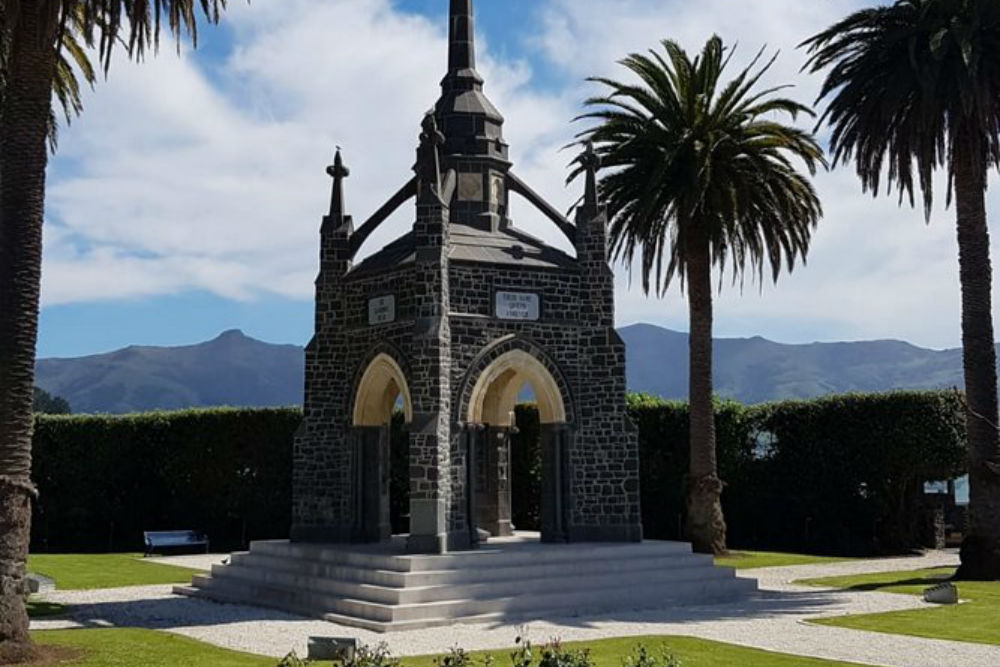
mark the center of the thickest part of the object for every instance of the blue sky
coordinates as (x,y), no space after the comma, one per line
(187,199)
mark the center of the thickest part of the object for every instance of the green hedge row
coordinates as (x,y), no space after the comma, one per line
(842,474)
(102,480)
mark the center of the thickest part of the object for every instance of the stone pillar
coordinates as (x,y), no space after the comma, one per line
(492,472)
(323,483)
(430,384)
(603,454)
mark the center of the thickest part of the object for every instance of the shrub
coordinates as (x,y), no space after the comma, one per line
(293,660)
(554,654)
(456,657)
(641,657)
(370,656)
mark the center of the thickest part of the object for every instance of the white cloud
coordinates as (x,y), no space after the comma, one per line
(184,176)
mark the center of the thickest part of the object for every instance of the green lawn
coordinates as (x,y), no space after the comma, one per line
(129,647)
(745,560)
(974,621)
(690,651)
(88,571)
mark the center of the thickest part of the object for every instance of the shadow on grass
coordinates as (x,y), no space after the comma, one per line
(929,580)
(42,609)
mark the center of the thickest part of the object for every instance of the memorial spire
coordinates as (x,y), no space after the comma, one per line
(462,74)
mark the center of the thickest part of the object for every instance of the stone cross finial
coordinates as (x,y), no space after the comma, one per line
(428,162)
(338,172)
(591,162)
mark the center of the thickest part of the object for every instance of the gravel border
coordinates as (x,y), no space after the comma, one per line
(775,619)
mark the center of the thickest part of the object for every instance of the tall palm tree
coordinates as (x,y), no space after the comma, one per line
(915,86)
(32,35)
(701,175)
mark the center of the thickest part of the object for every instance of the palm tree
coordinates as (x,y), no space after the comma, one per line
(915,86)
(701,175)
(33,43)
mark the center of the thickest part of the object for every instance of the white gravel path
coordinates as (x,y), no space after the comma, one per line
(774,620)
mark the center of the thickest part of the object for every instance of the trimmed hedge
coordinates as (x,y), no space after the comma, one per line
(102,480)
(842,474)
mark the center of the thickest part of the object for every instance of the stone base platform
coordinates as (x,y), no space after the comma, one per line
(380,588)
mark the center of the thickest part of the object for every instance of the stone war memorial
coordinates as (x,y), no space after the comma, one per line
(449,324)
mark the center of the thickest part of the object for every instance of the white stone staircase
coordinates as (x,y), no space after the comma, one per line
(380,589)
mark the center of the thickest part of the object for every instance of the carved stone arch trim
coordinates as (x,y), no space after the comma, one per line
(380,379)
(495,377)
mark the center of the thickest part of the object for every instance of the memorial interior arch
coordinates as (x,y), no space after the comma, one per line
(381,391)
(491,431)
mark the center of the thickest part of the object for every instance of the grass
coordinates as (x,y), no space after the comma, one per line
(745,560)
(973,621)
(89,571)
(690,651)
(129,647)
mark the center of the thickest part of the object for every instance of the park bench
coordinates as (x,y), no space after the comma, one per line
(157,540)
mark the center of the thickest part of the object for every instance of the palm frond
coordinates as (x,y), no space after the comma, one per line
(682,153)
(906,86)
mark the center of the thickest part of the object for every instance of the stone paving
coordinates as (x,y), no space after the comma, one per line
(776,620)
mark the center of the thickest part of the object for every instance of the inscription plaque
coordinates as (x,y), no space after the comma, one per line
(382,310)
(517,306)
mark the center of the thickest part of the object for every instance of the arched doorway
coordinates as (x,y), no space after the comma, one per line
(381,391)
(490,428)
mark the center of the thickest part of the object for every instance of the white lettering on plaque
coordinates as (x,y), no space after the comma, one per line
(382,310)
(517,306)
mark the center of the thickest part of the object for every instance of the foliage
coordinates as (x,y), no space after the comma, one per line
(972,621)
(46,403)
(522,655)
(370,656)
(854,465)
(293,660)
(911,84)
(554,654)
(105,479)
(456,657)
(687,154)
(641,657)
(93,571)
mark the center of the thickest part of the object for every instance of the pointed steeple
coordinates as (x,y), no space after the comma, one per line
(462,41)
(338,172)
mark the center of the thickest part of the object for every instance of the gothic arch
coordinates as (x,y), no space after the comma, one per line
(375,394)
(496,376)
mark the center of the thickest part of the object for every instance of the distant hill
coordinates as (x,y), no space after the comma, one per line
(755,370)
(234,369)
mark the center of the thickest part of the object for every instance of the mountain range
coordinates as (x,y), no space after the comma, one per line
(237,370)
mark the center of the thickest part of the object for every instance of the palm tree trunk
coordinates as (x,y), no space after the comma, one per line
(24,118)
(981,547)
(705,526)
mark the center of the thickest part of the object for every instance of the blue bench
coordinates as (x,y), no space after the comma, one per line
(157,540)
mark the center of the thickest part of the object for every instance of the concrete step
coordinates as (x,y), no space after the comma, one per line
(578,568)
(382,617)
(529,582)
(486,556)
(382,589)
